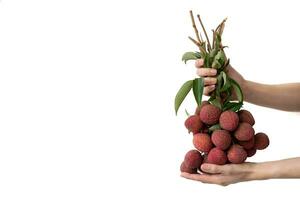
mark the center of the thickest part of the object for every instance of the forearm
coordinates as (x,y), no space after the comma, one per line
(288,168)
(282,97)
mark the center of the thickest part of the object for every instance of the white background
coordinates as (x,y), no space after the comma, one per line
(87,90)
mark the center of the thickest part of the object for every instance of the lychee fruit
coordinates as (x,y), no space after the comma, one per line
(229,120)
(193,123)
(261,141)
(246,116)
(210,114)
(198,109)
(247,144)
(216,156)
(236,154)
(244,132)
(202,142)
(193,159)
(221,139)
(251,152)
(184,168)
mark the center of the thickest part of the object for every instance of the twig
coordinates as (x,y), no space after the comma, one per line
(208,43)
(195,42)
(224,20)
(222,28)
(198,44)
(195,27)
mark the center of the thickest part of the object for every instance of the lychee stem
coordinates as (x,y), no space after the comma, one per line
(203,28)
(195,27)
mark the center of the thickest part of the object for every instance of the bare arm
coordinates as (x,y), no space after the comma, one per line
(282,97)
(234,173)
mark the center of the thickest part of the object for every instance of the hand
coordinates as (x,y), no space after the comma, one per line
(210,79)
(223,174)
(234,173)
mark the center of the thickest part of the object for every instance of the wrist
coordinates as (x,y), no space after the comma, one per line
(263,171)
(246,88)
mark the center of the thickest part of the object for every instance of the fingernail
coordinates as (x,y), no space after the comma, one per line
(213,71)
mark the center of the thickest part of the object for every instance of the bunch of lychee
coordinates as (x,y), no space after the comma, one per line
(221,137)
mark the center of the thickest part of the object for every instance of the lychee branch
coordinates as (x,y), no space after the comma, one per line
(195,28)
(203,28)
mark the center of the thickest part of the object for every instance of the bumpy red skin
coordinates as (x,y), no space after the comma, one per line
(221,139)
(193,159)
(202,142)
(247,144)
(229,120)
(236,154)
(210,114)
(261,141)
(244,132)
(193,124)
(184,168)
(198,109)
(216,156)
(251,152)
(246,116)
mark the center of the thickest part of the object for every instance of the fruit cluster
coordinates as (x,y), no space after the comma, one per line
(222,132)
(221,137)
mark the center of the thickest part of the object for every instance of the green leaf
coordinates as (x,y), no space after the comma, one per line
(226,82)
(220,57)
(237,89)
(218,41)
(190,56)
(181,94)
(207,63)
(213,53)
(216,64)
(215,127)
(219,84)
(198,85)
(216,102)
(187,113)
(234,106)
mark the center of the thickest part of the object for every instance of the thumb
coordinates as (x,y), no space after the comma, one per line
(211,168)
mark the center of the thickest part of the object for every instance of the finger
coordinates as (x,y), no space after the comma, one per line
(208,89)
(206,72)
(212,169)
(204,178)
(210,81)
(199,63)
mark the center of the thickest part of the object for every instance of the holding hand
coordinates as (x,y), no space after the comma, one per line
(209,76)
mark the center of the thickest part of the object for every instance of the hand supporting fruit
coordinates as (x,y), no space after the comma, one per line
(233,173)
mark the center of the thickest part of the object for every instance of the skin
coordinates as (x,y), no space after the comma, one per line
(283,97)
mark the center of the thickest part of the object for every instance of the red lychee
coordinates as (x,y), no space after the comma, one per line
(193,159)
(244,132)
(184,168)
(216,156)
(210,114)
(247,144)
(229,120)
(246,116)
(202,142)
(193,123)
(261,141)
(236,154)
(221,139)
(251,152)
(197,112)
